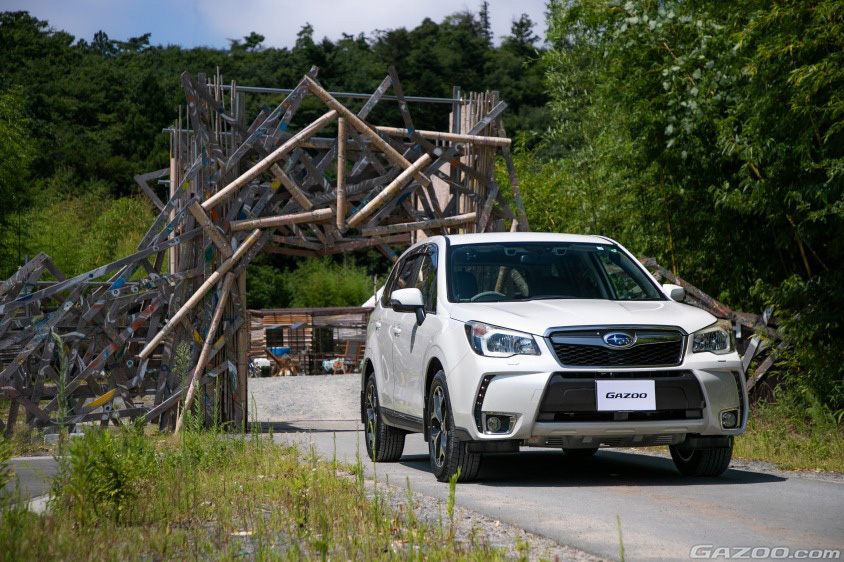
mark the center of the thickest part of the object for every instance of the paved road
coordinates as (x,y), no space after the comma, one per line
(34,476)
(575,501)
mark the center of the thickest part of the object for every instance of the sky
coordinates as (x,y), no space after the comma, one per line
(192,23)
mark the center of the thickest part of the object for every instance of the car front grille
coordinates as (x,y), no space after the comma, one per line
(586,348)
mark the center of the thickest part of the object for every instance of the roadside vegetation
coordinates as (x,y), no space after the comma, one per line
(795,432)
(123,495)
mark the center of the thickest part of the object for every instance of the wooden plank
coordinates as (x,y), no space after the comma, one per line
(209,228)
(142,179)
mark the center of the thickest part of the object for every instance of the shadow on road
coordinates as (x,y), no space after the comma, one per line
(606,468)
(309,426)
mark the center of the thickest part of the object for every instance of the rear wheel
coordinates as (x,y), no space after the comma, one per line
(384,443)
(692,461)
(580,453)
(447,453)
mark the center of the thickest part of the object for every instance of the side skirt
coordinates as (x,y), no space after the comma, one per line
(402,421)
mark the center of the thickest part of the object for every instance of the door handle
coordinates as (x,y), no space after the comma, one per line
(378,325)
(397,331)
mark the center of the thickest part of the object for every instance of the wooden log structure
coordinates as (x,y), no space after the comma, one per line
(236,185)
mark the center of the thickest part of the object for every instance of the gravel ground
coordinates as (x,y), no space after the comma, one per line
(470,526)
(305,399)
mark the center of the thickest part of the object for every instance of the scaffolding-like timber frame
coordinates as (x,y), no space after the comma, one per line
(236,188)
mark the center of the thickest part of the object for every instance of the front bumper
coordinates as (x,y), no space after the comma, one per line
(552,406)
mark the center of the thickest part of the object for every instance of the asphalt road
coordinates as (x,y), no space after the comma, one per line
(576,501)
(34,475)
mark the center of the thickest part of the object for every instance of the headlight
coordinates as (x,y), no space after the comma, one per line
(493,341)
(717,338)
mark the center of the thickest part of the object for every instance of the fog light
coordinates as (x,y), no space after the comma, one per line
(729,419)
(493,424)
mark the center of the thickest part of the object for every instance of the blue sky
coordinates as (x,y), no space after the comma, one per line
(211,22)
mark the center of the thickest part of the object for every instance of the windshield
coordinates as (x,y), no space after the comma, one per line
(505,272)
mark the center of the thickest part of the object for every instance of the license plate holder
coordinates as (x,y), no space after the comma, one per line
(625,395)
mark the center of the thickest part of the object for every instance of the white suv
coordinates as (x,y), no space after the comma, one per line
(490,342)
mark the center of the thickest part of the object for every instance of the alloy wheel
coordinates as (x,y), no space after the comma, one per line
(439,430)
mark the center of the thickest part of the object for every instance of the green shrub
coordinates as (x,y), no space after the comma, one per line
(319,283)
(101,473)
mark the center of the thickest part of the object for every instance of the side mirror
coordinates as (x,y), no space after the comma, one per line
(409,300)
(676,292)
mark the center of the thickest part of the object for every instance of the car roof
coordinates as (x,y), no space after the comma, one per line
(494,237)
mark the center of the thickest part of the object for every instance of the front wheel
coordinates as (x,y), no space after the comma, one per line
(447,453)
(701,462)
(384,443)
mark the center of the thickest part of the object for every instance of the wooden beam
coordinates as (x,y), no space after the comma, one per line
(209,228)
(391,153)
(411,226)
(200,292)
(379,200)
(448,137)
(271,159)
(341,174)
(271,222)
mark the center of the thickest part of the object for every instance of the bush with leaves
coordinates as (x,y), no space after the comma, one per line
(711,136)
(101,474)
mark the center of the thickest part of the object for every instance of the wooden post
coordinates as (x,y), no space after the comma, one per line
(341,174)
(206,347)
(243,354)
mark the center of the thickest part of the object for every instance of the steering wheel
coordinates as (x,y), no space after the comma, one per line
(485,294)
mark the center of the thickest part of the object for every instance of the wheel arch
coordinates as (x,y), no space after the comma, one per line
(435,365)
(367,371)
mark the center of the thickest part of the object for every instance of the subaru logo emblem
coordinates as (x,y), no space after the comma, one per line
(619,339)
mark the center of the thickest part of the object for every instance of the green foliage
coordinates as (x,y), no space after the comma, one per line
(709,136)
(100,474)
(796,431)
(319,283)
(17,150)
(266,287)
(79,232)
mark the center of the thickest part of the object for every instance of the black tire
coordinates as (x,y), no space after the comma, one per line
(445,450)
(384,443)
(580,453)
(701,462)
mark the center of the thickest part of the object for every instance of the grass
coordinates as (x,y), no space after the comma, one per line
(121,494)
(795,432)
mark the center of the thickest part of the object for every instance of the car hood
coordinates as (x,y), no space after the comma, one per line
(536,317)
